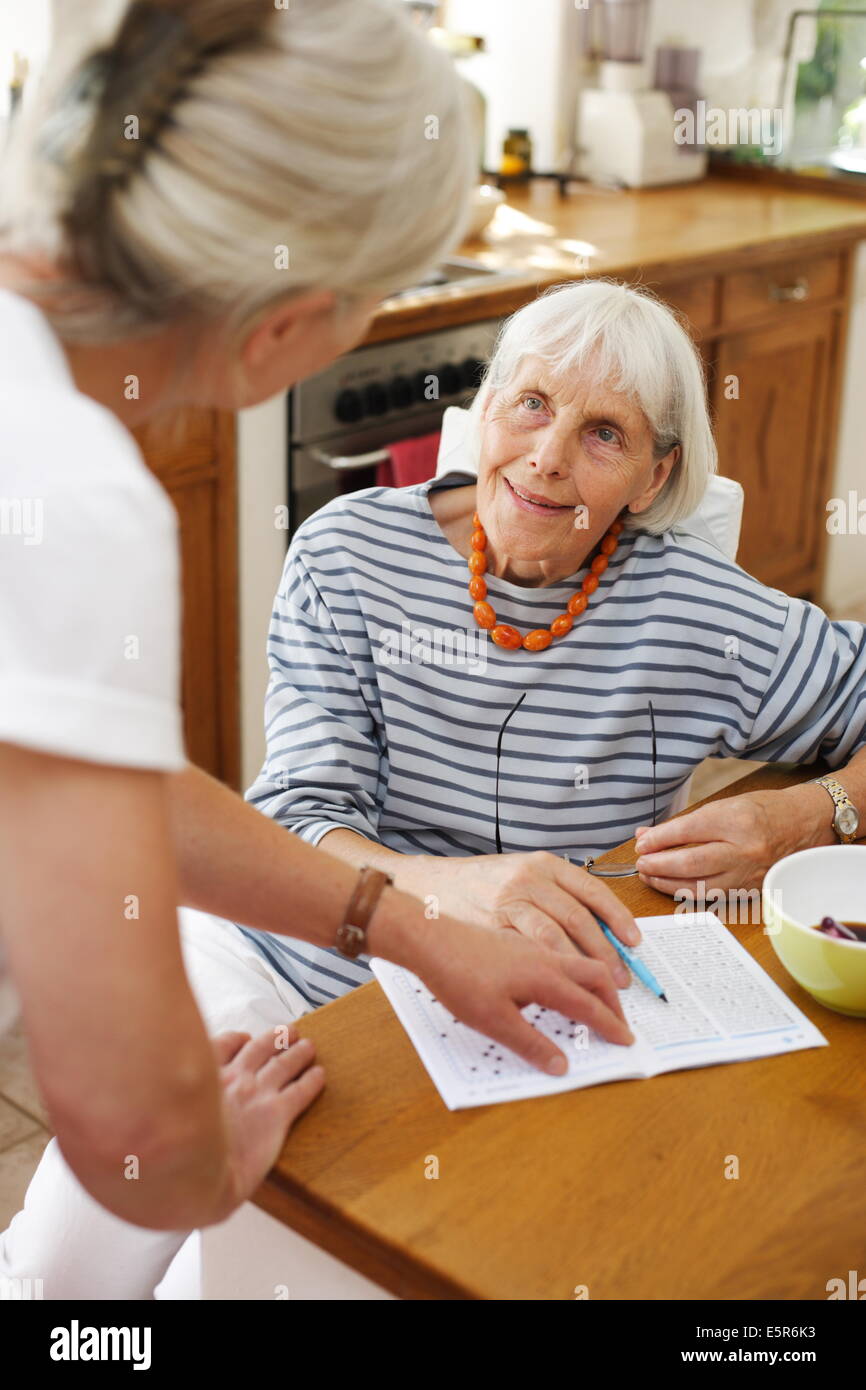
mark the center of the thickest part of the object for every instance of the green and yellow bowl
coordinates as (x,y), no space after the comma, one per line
(798,892)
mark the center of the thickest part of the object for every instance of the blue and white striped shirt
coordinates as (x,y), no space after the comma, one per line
(371,727)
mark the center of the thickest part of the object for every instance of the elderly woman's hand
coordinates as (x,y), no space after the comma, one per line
(539,894)
(731,843)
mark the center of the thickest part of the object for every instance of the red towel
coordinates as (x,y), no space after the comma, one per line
(412,461)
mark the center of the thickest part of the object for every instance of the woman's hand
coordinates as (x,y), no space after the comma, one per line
(731,843)
(267,1082)
(486,977)
(541,895)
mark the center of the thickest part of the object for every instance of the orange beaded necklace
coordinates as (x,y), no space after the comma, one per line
(502,633)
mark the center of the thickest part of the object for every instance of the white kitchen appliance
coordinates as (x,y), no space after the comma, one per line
(625,128)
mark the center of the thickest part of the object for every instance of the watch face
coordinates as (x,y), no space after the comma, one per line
(847,820)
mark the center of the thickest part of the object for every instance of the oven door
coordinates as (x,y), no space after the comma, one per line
(347,461)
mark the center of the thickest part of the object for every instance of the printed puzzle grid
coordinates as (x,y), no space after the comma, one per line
(722,1007)
(474,1061)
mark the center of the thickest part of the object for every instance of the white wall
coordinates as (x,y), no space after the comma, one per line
(524,70)
(29,27)
(722,32)
(844,588)
(25,27)
(742,42)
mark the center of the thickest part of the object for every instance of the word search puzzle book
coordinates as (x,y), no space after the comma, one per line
(722,1007)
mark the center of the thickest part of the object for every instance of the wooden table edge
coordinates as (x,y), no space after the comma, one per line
(355,1245)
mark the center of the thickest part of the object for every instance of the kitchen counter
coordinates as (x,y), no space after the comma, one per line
(659,235)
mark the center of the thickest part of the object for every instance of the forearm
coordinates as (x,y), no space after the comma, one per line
(412,873)
(237,863)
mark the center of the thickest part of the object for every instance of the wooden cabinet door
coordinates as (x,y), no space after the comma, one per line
(772,405)
(192,453)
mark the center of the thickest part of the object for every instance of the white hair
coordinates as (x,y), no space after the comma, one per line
(627,338)
(215,156)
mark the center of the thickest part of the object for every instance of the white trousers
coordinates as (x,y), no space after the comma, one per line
(65,1238)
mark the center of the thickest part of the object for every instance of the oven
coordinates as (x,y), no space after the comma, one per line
(343,420)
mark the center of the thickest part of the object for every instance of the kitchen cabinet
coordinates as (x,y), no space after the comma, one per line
(771,338)
(772,348)
(807,279)
(774,439)
(193,454)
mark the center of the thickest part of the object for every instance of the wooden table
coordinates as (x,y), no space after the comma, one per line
(620,1188)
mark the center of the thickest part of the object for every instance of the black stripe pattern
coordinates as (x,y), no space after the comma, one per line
(385,701)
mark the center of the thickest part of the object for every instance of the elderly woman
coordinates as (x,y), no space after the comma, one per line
(567,559)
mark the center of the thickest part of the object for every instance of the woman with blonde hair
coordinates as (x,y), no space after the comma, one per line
(203,205)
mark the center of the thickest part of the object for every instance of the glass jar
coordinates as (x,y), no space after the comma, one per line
(516,156)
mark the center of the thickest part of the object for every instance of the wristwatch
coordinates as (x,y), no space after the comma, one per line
(846,818)
(351,938)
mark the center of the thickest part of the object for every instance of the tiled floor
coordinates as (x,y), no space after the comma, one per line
(23,1125)
(24,1128)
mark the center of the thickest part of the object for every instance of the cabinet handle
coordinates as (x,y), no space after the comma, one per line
(348,462)
(786,293)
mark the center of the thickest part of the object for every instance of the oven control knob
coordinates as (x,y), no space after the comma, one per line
(375,400)
(400,393)
(470,372)
(449,379)
(348,407)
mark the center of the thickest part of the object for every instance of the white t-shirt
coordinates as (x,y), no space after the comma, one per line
(89,570)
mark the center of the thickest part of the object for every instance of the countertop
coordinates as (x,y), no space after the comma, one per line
(661,235)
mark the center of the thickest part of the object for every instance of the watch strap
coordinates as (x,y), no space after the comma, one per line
(840,800)
(351,938)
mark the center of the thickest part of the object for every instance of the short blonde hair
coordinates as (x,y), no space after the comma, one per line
(636,344)
(273,150)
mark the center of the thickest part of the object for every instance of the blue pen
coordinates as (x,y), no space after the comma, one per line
(644,974)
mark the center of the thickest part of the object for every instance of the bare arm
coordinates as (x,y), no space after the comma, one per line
(239,863)
(236,862)
(88,905)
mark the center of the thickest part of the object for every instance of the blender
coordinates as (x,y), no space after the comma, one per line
(625,127)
